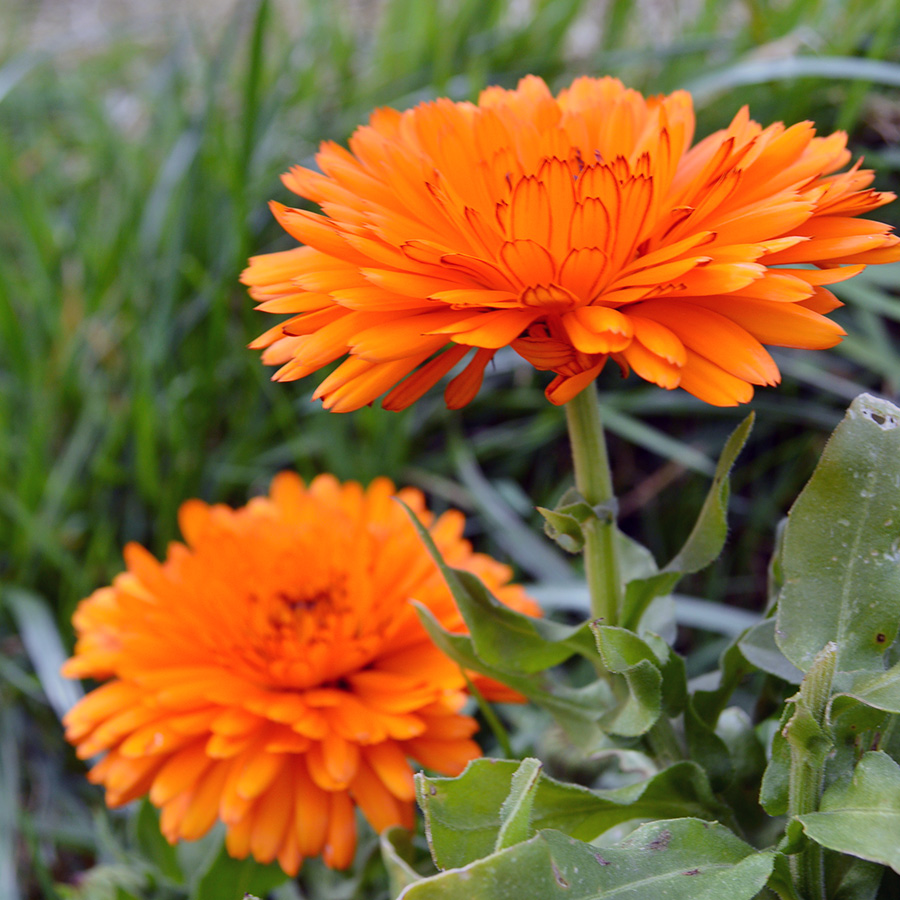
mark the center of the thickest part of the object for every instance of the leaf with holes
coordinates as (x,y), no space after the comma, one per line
(841,546)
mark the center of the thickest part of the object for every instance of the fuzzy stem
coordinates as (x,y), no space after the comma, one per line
(807,773)
(594,482)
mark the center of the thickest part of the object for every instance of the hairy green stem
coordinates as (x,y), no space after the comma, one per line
(810,742)
(594,482)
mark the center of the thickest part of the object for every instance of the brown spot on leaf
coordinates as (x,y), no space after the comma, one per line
(661,841)
(560,880)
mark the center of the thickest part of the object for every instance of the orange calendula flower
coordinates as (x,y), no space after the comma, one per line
(573,229)
(271,672)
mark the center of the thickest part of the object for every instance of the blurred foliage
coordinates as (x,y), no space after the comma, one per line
(135,177)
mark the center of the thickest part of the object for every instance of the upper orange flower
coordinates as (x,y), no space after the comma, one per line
(272,672)
(572,229)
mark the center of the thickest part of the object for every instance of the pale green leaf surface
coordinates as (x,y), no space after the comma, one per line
(861,815)
(679,859)
(881,691)
(759,648)
(841,546)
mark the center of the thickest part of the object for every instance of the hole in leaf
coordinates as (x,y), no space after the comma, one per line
(884,421)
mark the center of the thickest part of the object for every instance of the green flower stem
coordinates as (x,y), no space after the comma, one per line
(594,482)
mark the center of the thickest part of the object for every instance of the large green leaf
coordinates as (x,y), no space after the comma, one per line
(841,546)
(464,816)
(861,815)
(679,859)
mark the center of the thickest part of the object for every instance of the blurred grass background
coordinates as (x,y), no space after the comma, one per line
(138,149)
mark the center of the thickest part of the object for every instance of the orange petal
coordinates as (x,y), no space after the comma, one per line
(463,388)
(341,840)
(716,337)
(564,387)
(389,762)
(378,804)
(713,384)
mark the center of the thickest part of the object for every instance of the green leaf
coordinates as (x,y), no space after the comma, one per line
(638,711)
(860,881)
(640,593)
(707,749)
(464,815)
(511,640)
(154,847)
(652,675)
(502,637)
(841,547)
(707,538)
(856,728)
(680,859)
(563,528)
(759,647)
(881,691)
(732,668)
(781,881)
(703,544)
(577,710)
(861,815)
(564,523)
(397,852)
(517,807)
(232,878)
(702,717)
(775,788)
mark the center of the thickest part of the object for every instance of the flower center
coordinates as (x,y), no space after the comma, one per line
(551,297)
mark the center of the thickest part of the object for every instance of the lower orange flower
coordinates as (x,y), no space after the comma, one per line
(271,672)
